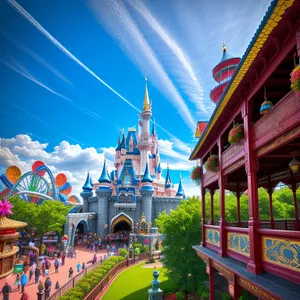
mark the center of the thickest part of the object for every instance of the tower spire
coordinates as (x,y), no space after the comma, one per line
(224,46)
(147,105)
(104,176)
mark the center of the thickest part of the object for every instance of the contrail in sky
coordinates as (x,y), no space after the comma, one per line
(175,48)
(50,37)
(27,16)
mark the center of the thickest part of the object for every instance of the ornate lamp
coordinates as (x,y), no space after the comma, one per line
(266,106)
(294,165)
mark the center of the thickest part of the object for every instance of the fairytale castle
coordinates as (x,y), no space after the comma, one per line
(135,190)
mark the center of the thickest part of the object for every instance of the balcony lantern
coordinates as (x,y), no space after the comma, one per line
(266,106)
(294,165)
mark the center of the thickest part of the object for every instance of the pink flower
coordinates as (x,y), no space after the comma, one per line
(5,207)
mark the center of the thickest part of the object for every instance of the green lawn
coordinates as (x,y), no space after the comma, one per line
(133,284)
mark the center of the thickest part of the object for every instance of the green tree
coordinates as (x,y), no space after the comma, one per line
(182,229)
(49,216)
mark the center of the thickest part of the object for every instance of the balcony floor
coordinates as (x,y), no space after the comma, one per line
(278,286)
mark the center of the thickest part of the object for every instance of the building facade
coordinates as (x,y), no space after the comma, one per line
(134,190)
(255,255)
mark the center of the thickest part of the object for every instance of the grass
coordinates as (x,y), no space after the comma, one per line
(133,284)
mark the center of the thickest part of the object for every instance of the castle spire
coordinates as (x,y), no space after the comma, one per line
(180,191)
(147,105)
(87,186)
(224,46)
(168,182)
(104,177)
(153,132)
(147,177)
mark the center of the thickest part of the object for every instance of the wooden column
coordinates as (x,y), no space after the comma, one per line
(211,283)
(297,222)
(212,191)
(251,167)
(222,222)
(238,196)
(270,192)
(298,41)
(202,205)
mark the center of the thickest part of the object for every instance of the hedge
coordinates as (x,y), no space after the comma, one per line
(87,283)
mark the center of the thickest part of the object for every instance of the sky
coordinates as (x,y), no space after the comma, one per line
(73,76)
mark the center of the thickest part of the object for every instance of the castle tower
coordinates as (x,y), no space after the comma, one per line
(146,192)
(87,192)
(222,74)
(103,193)
(145,143)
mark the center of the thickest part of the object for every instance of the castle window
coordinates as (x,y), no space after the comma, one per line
(127,180)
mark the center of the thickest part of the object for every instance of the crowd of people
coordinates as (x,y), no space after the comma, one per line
(89,240)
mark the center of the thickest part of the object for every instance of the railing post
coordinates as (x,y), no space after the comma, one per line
(270,192)
(212,191)
(202,189)
(251,168)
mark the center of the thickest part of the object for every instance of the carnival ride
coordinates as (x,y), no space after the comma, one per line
(37,185)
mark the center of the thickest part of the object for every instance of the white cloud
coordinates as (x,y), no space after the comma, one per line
(72,160)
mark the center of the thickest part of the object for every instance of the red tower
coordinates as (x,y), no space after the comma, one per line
(222,74)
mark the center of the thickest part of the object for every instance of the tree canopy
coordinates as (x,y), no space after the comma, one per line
(46,217)
(182,229)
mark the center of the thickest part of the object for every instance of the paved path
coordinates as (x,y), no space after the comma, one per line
(83,255)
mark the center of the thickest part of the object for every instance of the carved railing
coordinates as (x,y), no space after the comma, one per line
(209,177)
(212,236)
(238,243)
(232,154)
(282,117)
(281,253)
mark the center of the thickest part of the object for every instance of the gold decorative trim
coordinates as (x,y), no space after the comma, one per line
(9,236)
(119,219)
(10,253)
(225,272)
(279,10)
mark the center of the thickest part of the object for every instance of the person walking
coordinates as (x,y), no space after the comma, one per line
(83,266)
(6,290)
(24,281)
(37,274)
(63,257)
(94,258)
(78,267)
(75,253)
(71,272)
(56,264)
(48,284)
(18,281)
(43,269)
(32,271)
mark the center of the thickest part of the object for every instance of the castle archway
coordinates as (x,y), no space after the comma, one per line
(121,222)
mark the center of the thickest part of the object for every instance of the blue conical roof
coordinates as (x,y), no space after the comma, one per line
(180,191)
(91,181)
(225,56)
(87,186)
(119,145)
(159,169)
(147,177)
(123,144)
(104,178)
(168,179)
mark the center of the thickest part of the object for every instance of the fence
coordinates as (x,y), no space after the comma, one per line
(97,290)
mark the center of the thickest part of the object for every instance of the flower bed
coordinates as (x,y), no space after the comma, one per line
(90,281)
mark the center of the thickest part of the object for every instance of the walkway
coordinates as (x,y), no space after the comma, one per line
(83,255)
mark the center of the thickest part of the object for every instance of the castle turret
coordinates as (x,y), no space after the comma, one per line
(168,182)
(146,192)
(87,192)
(146,143)
(180,191)
(158,172)
(103,193)
(222,74)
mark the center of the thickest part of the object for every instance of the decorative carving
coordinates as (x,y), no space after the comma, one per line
(283,139)
(234,166)
(238,243)
(212,236)
(225,272)
(285,253)
(260,293)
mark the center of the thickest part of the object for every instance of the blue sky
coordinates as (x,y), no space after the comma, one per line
(56,57)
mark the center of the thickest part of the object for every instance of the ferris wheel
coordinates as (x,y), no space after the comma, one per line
(35,185)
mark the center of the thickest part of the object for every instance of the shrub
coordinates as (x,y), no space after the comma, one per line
(179,296)
(123,252)
(136,251)
(137,245)
(90,281)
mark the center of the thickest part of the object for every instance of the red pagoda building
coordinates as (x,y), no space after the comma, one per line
(262,149)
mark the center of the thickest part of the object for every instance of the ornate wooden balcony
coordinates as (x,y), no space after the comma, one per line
(280,125)
(209,177)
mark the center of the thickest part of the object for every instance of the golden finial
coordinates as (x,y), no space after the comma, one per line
(147,105)
(224,46)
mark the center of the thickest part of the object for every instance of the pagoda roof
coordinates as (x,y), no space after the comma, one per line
(6,223)
(269,22)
